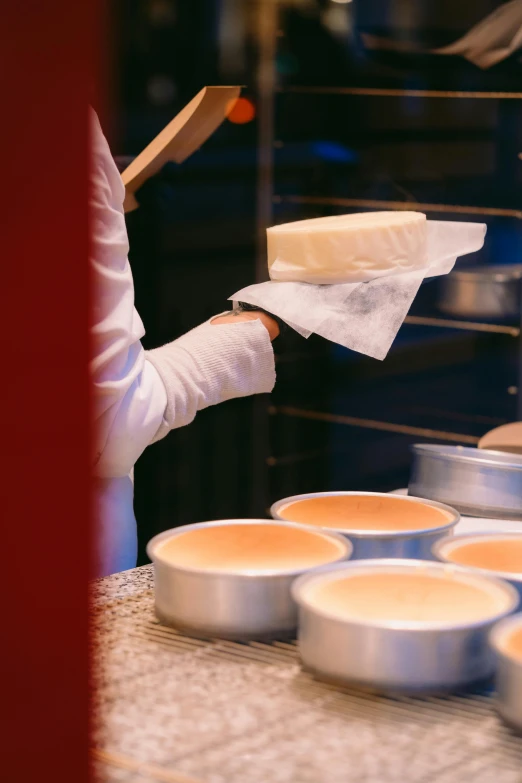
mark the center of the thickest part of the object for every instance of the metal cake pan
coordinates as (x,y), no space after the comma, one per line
(476,482)
(230,604)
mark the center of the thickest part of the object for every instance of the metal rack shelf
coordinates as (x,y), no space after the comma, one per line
(398,93)
(372,424)
(367,203)
(471,326)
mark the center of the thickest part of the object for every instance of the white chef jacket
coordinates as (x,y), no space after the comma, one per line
(139,396)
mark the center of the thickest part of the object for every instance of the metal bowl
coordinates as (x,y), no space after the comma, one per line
(443,549)
(233,603)
(482,292)
(397,655)
(476,482)
(380,543)
(509,672)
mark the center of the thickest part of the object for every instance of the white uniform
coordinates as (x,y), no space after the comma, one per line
(140,396)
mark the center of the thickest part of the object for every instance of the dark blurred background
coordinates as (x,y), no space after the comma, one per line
(351,110)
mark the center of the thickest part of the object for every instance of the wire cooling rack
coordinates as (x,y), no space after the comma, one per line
(173,708)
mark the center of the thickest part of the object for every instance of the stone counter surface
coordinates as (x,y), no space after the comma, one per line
(181,710)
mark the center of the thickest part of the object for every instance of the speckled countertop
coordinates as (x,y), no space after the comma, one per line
(181,710)
(126,583)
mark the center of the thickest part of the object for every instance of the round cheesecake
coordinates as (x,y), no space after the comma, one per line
(513,644)
(395,597)
(365,513)
(500,554)
(350,248)
(250,549)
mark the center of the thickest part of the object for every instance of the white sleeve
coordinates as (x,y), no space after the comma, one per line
(129,396)
(212,364)
(139,397)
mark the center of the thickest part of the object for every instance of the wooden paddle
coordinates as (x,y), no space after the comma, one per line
(180,138)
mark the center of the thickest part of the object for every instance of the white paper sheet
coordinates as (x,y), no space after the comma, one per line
(364,317)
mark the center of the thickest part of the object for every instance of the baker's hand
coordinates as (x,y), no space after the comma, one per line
(235,317)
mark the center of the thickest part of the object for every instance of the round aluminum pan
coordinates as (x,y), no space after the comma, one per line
(232,605)
(443,548)
(381,543)
(476,482)
(482,292)
(397,656)
(508,678)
